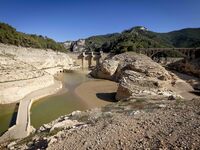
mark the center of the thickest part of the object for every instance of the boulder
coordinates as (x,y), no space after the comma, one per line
(11,145)
(65,124)
(106,69)
(137,74)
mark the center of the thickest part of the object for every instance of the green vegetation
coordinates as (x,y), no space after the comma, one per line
(9,35)
(169,53)
(189,37)
(139,37)
(128,40)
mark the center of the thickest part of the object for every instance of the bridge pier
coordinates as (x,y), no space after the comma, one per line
(99,59)
(90,59)
(83,59)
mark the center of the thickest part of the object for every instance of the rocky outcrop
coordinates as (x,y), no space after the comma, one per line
(24,70)
(191,67)
(137,74)
(67,44)
(78,46)
(75,46)
(106,70)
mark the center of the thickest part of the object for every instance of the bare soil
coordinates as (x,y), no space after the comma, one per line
(98,91)
(174,125)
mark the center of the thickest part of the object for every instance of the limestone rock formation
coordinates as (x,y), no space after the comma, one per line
(67,44)
(137,74)
(75,46)
(106,70)
(23,70)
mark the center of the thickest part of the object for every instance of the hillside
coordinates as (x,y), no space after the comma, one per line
(9,35)
(128,40)
(189,37)
(140,37)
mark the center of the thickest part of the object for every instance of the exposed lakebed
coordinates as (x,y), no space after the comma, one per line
(65,101)
(51,107)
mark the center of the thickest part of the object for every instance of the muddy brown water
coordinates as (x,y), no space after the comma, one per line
(51,107)
(64,102)
(8,114)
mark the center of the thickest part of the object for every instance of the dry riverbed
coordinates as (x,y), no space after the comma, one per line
(98,91)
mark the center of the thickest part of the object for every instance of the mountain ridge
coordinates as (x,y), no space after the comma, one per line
(127,40)
(141,37)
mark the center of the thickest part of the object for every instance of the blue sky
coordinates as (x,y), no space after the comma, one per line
(73,19)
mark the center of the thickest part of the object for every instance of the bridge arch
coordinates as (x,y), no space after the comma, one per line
(167,53)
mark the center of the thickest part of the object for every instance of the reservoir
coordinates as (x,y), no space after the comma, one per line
(63,102)
(7,116)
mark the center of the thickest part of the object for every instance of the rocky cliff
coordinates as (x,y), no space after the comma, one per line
(24,70)
(138,76)
(76,46)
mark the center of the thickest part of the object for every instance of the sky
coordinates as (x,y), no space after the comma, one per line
(65,20)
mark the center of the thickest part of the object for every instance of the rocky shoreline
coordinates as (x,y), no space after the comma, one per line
(124,125)
(28,74)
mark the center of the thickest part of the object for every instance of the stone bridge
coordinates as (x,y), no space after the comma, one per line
(189,53)
(87,59)
(91,59)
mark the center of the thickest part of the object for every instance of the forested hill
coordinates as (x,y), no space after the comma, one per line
(9,35)
(189,37)
(140,37)
(128,40)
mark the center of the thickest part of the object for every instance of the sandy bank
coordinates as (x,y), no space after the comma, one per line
(97,92)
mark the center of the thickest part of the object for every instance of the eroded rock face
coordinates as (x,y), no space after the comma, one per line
(68,44)
(75,46)
(137,74)
(37,58)
(78,46)
(106,70)
(24,70)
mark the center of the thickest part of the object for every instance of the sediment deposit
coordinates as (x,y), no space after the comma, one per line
(24,70)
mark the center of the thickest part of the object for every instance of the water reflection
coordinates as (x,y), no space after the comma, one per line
(7,116)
